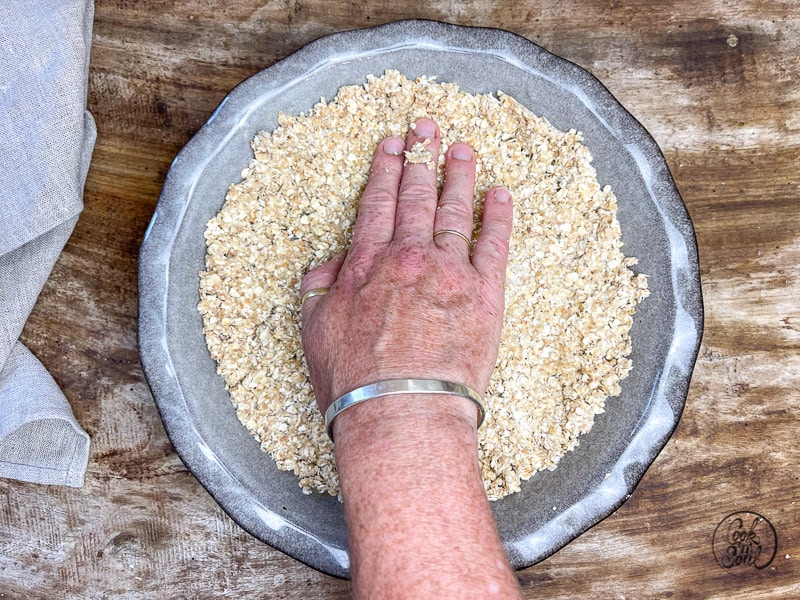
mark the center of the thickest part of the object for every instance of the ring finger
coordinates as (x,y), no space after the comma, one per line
(454,212)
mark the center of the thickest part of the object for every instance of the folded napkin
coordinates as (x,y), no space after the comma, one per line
(46,142)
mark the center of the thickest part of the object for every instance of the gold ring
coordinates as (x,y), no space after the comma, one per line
(312,293)
(454,232)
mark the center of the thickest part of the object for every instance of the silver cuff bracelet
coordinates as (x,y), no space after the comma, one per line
(391,387)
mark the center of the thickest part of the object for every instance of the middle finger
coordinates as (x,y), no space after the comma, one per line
(416,202)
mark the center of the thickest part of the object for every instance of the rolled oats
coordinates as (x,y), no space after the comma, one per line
(570,292)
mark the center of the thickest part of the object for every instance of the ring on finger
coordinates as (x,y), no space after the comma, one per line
(454,232)
(315,292)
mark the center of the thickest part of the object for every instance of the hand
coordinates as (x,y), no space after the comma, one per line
(403,303)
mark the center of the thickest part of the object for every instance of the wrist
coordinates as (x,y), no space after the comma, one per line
(411,484)
(410,388)
(410,415)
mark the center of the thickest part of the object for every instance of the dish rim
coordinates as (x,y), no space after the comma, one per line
(172,206)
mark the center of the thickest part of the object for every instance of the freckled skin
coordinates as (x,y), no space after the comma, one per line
(413,303)
(405,305)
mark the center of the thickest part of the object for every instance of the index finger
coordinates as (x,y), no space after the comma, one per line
(376,212)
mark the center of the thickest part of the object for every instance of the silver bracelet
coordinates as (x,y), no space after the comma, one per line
(391,387)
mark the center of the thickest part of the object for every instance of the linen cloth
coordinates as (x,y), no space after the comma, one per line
(46,142)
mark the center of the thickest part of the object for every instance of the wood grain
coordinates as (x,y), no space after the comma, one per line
(715,82)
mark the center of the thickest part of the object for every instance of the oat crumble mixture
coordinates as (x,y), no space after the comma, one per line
(570,292)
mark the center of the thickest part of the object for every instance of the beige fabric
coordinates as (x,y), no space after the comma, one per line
(46,141)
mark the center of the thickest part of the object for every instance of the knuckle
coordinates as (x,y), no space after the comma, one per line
(495,247)
(386,167)
(417,191)
(312,278)
(458,173)
(450,283)
(455,210)
(378,195)
(411,262)
(498,246)
(358,269)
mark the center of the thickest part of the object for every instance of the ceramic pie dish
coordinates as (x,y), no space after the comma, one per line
(554,507)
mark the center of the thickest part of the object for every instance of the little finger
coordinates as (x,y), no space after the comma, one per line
(491,250)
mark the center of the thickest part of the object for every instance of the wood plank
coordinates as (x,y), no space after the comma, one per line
(726,112)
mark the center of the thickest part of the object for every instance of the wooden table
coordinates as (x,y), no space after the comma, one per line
(716,83)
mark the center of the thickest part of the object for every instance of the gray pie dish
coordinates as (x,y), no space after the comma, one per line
(554,507)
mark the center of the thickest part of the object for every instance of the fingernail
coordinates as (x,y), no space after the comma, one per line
(393,146)
(461,152)
(501,195)
(425,129)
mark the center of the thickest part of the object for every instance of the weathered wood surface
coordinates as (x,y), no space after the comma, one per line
(715,82)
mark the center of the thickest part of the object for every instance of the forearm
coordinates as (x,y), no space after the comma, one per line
(415,503)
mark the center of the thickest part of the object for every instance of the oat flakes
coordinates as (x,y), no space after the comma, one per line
(570,292)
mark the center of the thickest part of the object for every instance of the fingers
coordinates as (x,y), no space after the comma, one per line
(491,249)
(454,212)
(318,279)
(374,225)
(416,203)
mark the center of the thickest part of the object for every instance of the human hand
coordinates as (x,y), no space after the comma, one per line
(403,303)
